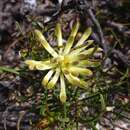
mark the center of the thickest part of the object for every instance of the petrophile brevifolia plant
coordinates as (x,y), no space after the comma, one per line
(68,62)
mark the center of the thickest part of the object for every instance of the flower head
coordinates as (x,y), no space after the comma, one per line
(69,63)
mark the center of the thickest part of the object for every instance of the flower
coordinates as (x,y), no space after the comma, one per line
(69,63)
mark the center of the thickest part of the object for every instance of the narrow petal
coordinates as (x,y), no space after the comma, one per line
(81,48)
(82,71)
(84,37)
(45,44)
(71,38)
(90,51)
(31,64)
(53,81)
(88,63)
(58,34)
(62,91)
(75,80)
(74,55)
(39,65)
(44,65)
(76,51)
(47,77)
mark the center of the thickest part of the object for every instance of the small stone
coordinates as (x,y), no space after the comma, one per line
(110,108)
(30,4)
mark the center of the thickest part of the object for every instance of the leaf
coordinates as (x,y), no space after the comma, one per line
(103,104)
(42,109)
(8,69)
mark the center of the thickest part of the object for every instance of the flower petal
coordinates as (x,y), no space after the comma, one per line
(44,65)
(39,65)
(90,51)
(71,38)
(85,36)
(31,64)
(47,77)
(88,63)
(53,81)
(75,80)
(82,71)
(77,50)
(58,34)
(45,44)
(75,54)
(62,91)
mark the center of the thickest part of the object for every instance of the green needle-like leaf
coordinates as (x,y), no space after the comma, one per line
(8,69)
(103,104)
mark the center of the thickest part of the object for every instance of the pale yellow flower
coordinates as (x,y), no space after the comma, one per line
(69,63)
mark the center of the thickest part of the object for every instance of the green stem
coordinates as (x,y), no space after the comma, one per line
(65,116)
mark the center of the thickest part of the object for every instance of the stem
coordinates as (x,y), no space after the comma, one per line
(65,116)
